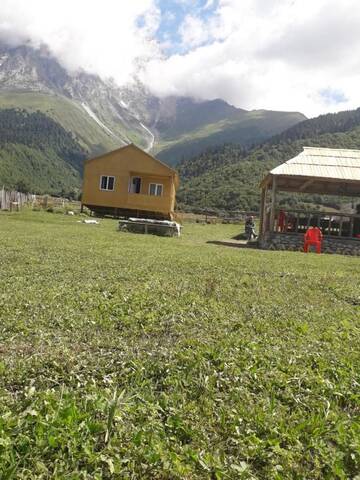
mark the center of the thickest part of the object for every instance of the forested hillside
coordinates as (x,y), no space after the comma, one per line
(38,154)
(228,178)
(329,123)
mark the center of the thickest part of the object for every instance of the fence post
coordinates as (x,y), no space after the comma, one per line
(2,199)
(7,198)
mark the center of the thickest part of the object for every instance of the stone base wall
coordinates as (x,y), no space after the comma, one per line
(283,241)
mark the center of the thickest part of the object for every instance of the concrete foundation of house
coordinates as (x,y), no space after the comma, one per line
(294,242)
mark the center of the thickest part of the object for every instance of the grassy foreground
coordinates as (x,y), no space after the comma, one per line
(137,357)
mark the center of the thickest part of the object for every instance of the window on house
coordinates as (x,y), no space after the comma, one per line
(107,183)
(155,189)
(135,185)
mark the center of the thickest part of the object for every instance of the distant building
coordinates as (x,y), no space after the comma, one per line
(321,171)
(129,182)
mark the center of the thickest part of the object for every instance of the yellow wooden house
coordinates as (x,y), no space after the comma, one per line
(129,182)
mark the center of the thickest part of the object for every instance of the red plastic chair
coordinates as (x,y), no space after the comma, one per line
(313,236)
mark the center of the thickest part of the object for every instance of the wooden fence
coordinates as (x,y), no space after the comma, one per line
(12,200)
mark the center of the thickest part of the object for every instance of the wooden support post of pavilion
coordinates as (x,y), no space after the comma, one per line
(273,203)
(262,211)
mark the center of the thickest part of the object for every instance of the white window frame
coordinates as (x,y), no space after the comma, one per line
(107,183)
(157,185)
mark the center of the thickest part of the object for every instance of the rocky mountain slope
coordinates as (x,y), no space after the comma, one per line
(103,116)
(33,79)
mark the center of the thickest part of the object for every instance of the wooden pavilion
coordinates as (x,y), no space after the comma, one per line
(322,171)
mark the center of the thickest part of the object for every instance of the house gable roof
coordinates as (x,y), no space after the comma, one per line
(134,147)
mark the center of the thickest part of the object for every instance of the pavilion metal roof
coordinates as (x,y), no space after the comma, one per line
(326,163)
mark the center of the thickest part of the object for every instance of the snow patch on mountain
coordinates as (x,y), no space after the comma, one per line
(100,123)
(97,120)
(152,140)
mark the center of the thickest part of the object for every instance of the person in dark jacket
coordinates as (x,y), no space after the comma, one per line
(250,228)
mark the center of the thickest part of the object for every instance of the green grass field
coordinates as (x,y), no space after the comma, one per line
(138,357)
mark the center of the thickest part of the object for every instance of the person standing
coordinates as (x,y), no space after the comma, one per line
(313,236)
(250,228)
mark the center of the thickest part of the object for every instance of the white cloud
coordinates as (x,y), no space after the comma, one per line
(274,54)
(193,31)
(209,4)
(103,37)
(277,54)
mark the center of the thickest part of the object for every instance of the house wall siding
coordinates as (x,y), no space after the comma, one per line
(123,164)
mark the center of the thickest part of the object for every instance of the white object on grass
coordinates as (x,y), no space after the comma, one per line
(91,222)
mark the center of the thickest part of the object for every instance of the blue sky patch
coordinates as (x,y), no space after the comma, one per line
(173,14)
(333,96)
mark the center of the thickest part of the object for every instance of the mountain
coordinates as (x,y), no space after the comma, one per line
(103,116)
(37,154)
(187,127)
(228,177)
(97,112)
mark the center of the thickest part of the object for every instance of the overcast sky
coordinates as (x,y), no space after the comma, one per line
(299,55)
